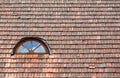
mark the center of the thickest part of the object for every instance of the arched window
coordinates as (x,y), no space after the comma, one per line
(30,45)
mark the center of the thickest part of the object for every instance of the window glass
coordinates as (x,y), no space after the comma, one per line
(35,44)
(21,49)
(27,45)
(40,49)
(31,45)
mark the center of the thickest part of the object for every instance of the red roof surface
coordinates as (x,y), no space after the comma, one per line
(84,36)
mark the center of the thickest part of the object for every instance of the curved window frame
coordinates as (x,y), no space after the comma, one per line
(36,39)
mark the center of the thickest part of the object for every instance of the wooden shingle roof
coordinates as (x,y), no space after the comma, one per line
(84,37)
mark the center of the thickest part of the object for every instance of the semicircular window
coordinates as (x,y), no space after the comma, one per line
(32,45)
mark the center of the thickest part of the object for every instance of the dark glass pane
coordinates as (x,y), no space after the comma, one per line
(21,49)
(40,49)
(27,45)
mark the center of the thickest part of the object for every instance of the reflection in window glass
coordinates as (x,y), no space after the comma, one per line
(21,49)
(40,49)
(35,44)
(27,45)
(31,46)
